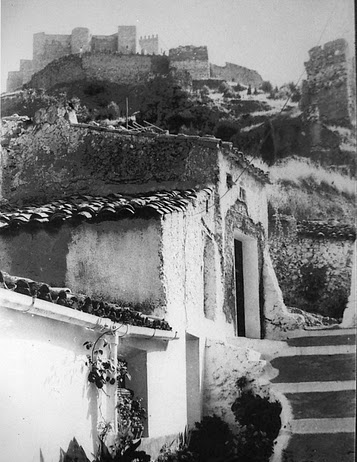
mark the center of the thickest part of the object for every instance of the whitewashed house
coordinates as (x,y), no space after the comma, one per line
(172,226)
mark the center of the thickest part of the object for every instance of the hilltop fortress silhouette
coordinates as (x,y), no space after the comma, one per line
(128,53)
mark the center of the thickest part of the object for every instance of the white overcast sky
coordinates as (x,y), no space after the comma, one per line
(270,36)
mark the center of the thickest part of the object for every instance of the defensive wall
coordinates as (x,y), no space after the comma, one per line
(50,47)
(190,58)
(235,73)
(119,49)
(329,92)
(115,68)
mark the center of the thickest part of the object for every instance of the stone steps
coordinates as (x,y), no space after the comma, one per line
(314,368)
(321,447)
(317,377)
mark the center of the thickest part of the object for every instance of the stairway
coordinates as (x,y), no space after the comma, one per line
(317,376)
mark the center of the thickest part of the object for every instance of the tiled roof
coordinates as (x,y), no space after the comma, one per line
(322,229)
(99,208)
(64,297)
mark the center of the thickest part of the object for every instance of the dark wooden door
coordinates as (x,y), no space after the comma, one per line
(238,263)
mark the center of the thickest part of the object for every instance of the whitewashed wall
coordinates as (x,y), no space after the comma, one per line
(44,393)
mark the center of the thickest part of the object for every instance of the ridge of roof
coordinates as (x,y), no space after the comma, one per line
(100,208)
(323,229)
(63,296)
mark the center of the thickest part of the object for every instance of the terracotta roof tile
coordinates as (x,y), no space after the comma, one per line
(64,297)
(112,207)
(322,229)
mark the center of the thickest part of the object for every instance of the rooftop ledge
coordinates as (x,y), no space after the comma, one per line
(35,306)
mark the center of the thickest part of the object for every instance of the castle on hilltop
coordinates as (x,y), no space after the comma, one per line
(123,45)
(48,47)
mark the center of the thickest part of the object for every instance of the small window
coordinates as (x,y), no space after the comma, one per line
(229,181)
(242,194)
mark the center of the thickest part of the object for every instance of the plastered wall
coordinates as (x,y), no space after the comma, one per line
(116,261)
(45,397)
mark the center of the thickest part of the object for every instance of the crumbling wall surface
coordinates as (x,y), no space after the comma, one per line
(191,58)
(238,219)
(314,272)
(224,364)
(54,159)
(278,320)
(235,73)
(326,92)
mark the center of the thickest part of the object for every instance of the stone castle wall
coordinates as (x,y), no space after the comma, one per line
(314,269)
(234,73)
(47,49)
(50,47)
(326,93)
(149,45)
(192,59)
(116,68)
(126,39)
(103,43)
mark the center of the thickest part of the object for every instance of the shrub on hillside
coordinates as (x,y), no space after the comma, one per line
(28,102)
(239,87)
(225,129)
(113,110)
(223,87)
(161,101)
(266,87)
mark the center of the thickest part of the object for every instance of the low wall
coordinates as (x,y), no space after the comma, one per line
(58,160)
(314,272)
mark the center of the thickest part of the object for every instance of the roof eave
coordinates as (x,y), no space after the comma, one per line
(34,306)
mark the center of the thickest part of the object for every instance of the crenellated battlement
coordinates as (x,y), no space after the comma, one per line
(149,44)
(118,58)
(49,47)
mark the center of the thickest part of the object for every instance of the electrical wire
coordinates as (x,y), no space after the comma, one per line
(270,119)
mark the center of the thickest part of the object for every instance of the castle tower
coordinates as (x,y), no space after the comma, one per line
(39,43)
(149,45)
(80,40)
(127,39)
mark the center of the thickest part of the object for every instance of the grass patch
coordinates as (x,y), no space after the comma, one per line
(308,191)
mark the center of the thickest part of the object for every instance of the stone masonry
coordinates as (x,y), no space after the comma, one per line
(122,46)
(49,47)
(234,73)
(191,58)
(328,93)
